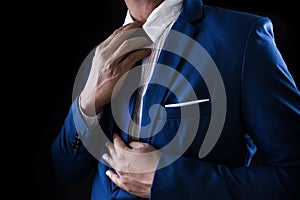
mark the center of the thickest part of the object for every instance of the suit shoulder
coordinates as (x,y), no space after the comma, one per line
(236,18)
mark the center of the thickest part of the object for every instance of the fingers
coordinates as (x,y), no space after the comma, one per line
(115,149)
(127,27)
(114,178)
(111,148)
(136,145)
(108,160)
(118,142)
(123,34)
(130,45)
(133,25)
(135,184)
(121,43)
(134,57)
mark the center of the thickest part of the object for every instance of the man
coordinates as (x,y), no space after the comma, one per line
(256,107)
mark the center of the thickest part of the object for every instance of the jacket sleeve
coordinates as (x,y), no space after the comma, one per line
(271,112)
(72,163)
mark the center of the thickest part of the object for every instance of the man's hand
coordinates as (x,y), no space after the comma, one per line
(134,165)
(112,59)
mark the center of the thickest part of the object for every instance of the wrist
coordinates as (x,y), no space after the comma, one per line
(88,109)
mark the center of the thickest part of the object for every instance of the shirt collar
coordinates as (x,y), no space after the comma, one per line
(160,18)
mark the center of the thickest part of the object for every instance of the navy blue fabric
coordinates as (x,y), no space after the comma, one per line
(125,135)
(263,115)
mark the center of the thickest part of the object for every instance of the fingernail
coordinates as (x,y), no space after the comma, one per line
(104,156)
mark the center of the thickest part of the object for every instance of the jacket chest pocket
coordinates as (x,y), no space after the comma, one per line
(180,130)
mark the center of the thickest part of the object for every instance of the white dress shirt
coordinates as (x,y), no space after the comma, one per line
(157,27)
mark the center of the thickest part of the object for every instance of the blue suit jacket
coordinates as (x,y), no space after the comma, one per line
(263,117)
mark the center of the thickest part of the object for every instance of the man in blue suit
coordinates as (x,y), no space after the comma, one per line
(223,94)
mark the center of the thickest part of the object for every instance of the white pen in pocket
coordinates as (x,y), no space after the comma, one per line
(185,103)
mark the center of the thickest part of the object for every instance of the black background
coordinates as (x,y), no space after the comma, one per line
(61,35)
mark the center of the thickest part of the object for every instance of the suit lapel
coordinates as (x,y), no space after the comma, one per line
(184,26)
(155,93)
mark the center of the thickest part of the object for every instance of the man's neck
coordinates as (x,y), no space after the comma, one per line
(141,9)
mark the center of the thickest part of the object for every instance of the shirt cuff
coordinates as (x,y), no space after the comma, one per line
(91,121)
